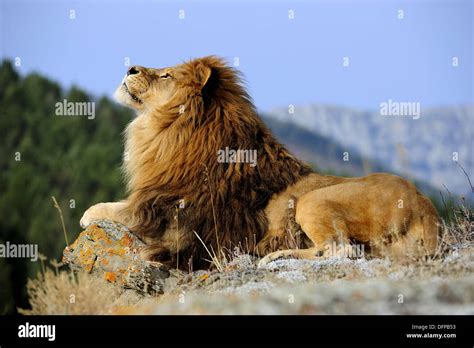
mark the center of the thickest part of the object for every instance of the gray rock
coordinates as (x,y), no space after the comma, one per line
(111,250)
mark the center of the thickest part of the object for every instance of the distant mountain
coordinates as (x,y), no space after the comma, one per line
(324,153)
(417,148)
(327,155)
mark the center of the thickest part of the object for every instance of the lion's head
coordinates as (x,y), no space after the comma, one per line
(148,88)
(187,116)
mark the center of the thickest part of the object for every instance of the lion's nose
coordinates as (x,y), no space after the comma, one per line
(133,70)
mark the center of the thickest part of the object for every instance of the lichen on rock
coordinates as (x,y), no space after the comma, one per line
(112,251)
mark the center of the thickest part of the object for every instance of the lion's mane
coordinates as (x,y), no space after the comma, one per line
(173,161)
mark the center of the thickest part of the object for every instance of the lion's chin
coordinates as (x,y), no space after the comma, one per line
(124,97)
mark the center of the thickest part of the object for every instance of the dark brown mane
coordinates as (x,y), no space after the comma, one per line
(174,160)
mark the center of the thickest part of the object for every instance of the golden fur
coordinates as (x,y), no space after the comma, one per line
(177,187)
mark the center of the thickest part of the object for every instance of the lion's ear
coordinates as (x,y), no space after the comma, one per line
(203,73)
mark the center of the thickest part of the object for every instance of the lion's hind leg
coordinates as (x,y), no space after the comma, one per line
(323,223)
(421,237)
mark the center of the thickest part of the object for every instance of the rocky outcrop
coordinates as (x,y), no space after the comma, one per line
(112,251)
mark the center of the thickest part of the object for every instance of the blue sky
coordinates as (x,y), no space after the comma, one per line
(285,61)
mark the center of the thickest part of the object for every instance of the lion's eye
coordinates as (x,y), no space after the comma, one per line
(165,76)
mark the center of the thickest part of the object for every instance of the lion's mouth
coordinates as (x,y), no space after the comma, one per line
(134,97)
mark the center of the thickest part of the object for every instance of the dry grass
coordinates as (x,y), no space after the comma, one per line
(68,293)
(60,212)
(458,231)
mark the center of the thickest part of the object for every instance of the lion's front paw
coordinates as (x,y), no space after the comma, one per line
(94,213)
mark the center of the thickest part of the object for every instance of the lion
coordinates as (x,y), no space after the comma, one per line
(185,202)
